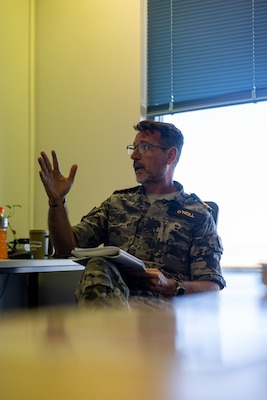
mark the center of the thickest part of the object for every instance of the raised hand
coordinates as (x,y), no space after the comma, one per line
(56,185)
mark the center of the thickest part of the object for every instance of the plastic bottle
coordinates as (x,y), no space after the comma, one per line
(3,234)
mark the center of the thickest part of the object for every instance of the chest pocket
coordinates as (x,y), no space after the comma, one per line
(122,228)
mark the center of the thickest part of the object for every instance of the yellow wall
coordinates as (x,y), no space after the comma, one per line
(15,133)
(71,81)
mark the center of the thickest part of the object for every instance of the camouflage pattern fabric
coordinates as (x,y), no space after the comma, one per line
(177,236)
(102,286)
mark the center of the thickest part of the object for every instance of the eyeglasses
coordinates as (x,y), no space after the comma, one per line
(142,147)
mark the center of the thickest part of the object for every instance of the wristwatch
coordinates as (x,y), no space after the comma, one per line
(179,289)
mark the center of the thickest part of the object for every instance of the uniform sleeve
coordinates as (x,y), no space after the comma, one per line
(205,253)
(93,228)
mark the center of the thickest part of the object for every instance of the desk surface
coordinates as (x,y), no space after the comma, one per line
(204,347)
(30,266)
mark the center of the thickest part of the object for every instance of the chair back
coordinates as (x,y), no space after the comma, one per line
(215,210)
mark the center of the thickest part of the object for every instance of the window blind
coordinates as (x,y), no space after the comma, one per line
(205,53)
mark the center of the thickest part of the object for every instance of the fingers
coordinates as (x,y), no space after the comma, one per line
(53,169)
(72,173)
(55,161)
(42,176)
(150,273)
(44,162)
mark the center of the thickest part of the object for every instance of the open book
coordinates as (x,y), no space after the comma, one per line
(118,256)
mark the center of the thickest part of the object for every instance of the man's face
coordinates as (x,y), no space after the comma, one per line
(150,167)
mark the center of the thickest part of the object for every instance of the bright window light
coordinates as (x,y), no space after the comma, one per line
(224,160)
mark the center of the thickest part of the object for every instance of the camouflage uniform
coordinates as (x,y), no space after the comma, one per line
(176,236)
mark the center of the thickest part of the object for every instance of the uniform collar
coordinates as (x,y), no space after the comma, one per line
(180,195)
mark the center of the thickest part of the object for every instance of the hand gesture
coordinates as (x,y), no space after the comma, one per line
(56,185)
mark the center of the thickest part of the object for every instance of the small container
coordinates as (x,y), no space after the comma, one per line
(40,245)
(23,244)
(3,234)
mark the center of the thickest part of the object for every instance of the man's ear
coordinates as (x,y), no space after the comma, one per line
(172,154)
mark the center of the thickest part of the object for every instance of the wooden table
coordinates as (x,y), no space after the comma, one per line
(203,347)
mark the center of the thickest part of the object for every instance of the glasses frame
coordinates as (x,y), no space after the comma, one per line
(132,147)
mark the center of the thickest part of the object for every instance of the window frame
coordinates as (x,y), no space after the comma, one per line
(203,55)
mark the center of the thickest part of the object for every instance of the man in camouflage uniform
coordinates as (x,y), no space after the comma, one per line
(172,232)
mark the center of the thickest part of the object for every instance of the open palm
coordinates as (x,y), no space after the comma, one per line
(56,185)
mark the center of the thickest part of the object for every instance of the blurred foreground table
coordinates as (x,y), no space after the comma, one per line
(209,346)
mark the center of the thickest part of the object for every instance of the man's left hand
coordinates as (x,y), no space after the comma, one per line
(154,280)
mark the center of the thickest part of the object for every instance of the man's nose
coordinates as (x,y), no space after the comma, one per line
(135,155)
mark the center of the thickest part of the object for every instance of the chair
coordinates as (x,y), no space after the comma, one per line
(215,210)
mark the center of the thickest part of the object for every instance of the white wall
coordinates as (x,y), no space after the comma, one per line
(70,81)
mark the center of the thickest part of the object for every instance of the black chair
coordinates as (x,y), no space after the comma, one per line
(215,210)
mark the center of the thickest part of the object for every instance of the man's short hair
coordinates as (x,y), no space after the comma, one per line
(170,135)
